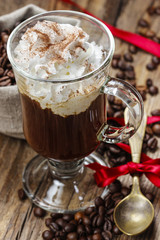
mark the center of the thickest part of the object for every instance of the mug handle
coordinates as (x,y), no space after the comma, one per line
(133,101)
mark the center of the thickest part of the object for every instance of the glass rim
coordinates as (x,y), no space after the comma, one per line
(56,80)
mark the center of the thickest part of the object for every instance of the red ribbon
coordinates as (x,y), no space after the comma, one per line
(138,40)
(105,175)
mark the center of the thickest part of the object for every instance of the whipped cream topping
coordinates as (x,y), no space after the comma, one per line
(50,50)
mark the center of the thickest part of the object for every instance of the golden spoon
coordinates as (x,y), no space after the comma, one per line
(134,213)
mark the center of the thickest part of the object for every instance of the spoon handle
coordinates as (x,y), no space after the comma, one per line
(136,140)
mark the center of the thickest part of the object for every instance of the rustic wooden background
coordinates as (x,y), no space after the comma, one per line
(16,218)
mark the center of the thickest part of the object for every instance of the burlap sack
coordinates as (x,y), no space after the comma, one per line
(10,107)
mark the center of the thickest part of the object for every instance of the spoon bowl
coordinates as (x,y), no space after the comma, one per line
(134,214)
(140,214)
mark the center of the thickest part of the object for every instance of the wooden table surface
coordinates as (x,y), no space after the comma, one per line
(16,218)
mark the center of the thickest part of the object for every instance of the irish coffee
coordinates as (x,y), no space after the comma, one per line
(61,120)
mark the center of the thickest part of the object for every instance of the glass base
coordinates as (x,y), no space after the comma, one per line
(62,193)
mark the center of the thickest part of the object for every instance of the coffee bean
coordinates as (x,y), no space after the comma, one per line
(97,236)
(120,75)
(54,227)
(68,217)
(47,235)
(81,229)
(72,236)
(153,90)
(107,235)
(125,191)
(149,196)
(132,49)
(48,221)
(129,68)
(128,57)
(151,66)
(89,210)
(88,229)
(61,222)
(21,194)
(55,216)
(101,210)
(155,112)
(78,216)
(130,75)
(157,10)
(156,129)
(149,82)
(152,144)
(99,201)
(115,186)
(69,227)
(122,65)
(151,10)
(39,212)
(114,63)
(155,60)
(149,130)
(100,221)
(83,238)
(142,91)
(117,56)
(116,230)
(1,71)
(107,225)
(143,23)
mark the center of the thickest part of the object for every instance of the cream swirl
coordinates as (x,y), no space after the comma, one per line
(50,50)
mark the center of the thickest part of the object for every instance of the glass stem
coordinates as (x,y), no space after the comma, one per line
(65,169)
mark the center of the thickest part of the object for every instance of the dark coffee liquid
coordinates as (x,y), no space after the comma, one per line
(62,138)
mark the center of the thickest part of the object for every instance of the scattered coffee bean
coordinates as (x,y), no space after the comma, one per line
(155,60)
(21,194)
(47,235)
(120,75)
(130,75)
(142,91)
(149,82)
(151,10)
(153,90)
(128,57)
(116,230)
(117,56)
(152,143)
(143,23)
(125,191)
(115,186)
(122,65)
(156,129)
(155,112)
(115,63)
(39,212)
(78,216)
(48,221)
(149,196)
(151,66)
(157,10)
(133,49)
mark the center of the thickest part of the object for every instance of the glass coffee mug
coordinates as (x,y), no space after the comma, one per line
(65,120)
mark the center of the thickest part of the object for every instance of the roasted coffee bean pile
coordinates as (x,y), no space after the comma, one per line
(123,64)
(6,73)
(144,24)
(95,223)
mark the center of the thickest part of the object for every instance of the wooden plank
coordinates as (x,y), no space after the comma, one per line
(17,221)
